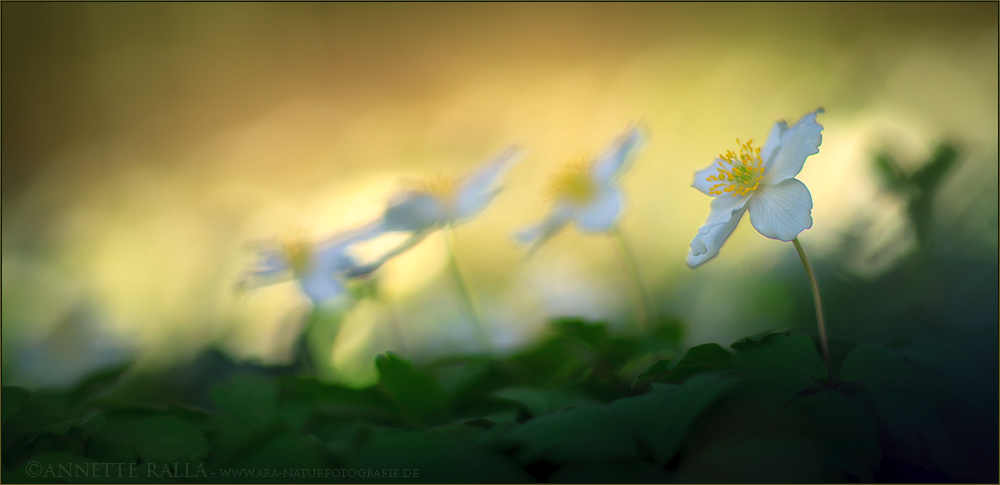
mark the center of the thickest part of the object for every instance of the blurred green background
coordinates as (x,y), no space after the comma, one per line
(143,145)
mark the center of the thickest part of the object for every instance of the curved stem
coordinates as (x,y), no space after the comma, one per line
(478,326)
(819,309)
(627,258)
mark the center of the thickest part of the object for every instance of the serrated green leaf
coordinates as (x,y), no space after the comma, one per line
(757,339)
(659,368)
(663,417)
(778,353)
(11,399)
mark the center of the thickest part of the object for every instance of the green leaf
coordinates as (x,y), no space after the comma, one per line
(658,369)
(593,334)
(541,402)
(841,426)
(416,391)
(574,435)
(420,458)
(913,422)
(111,448)
(778,353)
(875,365)
(62,466)
(663,417)
(757,339)
(250,399)
(12,398)
(286,450)
(753,404)
(158,439)
(331,399)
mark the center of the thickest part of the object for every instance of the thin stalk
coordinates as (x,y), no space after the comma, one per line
(819,309)
(304,361)
(478,327)
(394,325)
(627,258)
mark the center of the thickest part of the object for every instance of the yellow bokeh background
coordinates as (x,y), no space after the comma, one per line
(144,145)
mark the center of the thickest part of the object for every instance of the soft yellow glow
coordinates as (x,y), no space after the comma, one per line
(573,182)
(182,154)
(298,253)
(441,187)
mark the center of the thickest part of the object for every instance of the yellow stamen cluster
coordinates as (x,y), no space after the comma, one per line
(573,182)
(743,174)
(441,187)
(297,251)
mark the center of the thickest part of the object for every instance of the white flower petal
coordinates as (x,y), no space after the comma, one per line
(413,212)
(773,141)
(259,278)
(600,214)
(406,245)
(331,254)
(478,188)
(537,234)
(722,220)
(271,260)
(710,238)
(781,211)
(701,181)
(722,208)
(797,143)
(320,286)
(613,161)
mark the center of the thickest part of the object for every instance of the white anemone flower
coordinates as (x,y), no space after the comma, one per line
(321,268)
(585,192)
(445,200)
(762,181)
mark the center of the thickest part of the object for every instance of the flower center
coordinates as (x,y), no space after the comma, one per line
(441,187)
(573,182)
(738,174)
(297,251)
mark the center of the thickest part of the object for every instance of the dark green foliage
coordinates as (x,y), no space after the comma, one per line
(13,398)
(565,410)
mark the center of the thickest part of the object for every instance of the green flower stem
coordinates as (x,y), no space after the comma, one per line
(819,309)
(627,258)
(397,332)
(479,329)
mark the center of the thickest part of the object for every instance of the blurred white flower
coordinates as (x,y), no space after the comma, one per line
(444,200)
(761,180)
(321,268)
(584,192)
